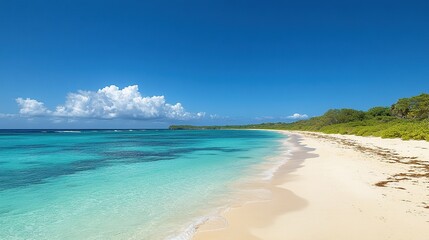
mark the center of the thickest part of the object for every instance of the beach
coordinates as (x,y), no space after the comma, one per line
(338,187)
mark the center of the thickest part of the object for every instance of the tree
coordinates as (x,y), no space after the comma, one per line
(378,111)
(419,106)
(334,116)
(401,108)
(416,107)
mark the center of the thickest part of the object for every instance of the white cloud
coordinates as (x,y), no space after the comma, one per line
(214,116)
(109,103)
(297,116)
(7,115)
(31,107)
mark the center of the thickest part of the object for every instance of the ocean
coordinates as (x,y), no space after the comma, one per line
(124,184)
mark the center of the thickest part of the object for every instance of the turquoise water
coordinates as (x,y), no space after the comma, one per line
(141,184)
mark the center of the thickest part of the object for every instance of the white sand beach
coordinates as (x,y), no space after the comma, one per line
(340,187)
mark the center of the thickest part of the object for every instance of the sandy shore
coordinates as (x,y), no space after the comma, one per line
(339,187)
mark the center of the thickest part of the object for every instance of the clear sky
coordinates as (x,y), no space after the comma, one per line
(204,62)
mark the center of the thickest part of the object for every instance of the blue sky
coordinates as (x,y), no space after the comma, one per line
(224,62)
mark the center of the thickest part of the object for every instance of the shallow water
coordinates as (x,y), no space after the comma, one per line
(141,184)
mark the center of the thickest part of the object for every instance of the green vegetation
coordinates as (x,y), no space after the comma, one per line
(408,118)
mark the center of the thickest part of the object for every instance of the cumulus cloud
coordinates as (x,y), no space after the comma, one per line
(297,116)
(31,107)
(109,103)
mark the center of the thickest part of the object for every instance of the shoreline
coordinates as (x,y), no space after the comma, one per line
(252,188)
(338,187)
(260,213)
